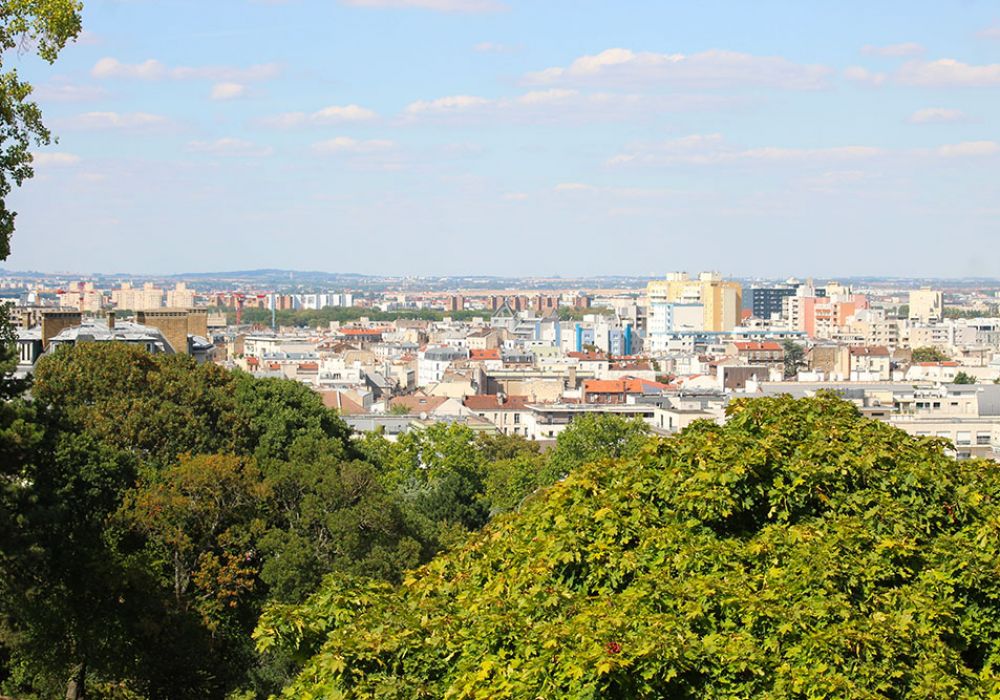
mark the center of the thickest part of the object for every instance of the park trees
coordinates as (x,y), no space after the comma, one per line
(797,551)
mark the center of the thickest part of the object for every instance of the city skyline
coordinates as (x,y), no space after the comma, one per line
(448,137)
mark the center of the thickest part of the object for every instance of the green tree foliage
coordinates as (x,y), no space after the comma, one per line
(323,317)
(62,594)
(964,378)
(795,358)
(593,437)
(150,507)
(162,406)
(799,551)
(158,406)
(44,26)
(929,354)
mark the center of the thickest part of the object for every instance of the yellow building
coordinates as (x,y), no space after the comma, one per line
(926,305)
(720,300)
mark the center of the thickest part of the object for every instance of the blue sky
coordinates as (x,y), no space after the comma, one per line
(520,137)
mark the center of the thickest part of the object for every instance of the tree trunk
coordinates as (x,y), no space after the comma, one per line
(76,688)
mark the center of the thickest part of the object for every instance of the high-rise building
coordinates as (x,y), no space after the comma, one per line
(765,302)
(720,300)
(180,297)
(456,302)
(128,297)
(926,305)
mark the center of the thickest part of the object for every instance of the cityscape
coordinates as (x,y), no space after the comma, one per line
(526,361)
(499,350)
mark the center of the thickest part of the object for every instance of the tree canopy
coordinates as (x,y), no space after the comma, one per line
(929,354)
(798,551)
(191,497)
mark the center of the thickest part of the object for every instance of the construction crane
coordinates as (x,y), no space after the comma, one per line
(239,298)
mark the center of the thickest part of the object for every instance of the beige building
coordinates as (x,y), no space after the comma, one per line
(180,297)
(926,305)
(82,296)
(128,297)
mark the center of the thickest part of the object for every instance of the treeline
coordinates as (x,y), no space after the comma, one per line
(311,318)
(151,509)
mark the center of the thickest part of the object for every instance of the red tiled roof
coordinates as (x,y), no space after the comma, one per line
(345,406)
(491,402)
(419,404)
(308,367)
(360,331)
(489,354)
(872,351)
(748,346)
(620,386)
(588,356)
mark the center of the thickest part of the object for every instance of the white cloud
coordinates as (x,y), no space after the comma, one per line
(451,104)
(554,95)
(969,148)
(86,38)
(347,145)
(894,50)
(936,115)
(858,74)
(155,70)
(63,91)
(574,187)
(990,33)
(558,105)
(230,147)
(948,72)
(515,196)
(712,149)
(835,180)
(54,159)
(493,47)
(116,120)
(708,69)
(436,5)
(328,115)
(228,91)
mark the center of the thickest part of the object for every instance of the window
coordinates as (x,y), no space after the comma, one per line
(517,418)
(982,438)
(963,438)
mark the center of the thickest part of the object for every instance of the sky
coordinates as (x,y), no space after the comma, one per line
(520,137)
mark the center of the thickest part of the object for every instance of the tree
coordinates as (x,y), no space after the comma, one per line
(162,406)
(929,354)
(64,599)
(594,437)
(963,378)
(794,358)
(797,551)
(45,26)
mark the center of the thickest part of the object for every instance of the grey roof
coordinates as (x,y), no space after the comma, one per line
(124,331)
(29,333)
(444,354)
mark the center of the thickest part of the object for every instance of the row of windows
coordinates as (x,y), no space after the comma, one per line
(961,438)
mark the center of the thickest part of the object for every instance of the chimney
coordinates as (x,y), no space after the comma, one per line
(111,320)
